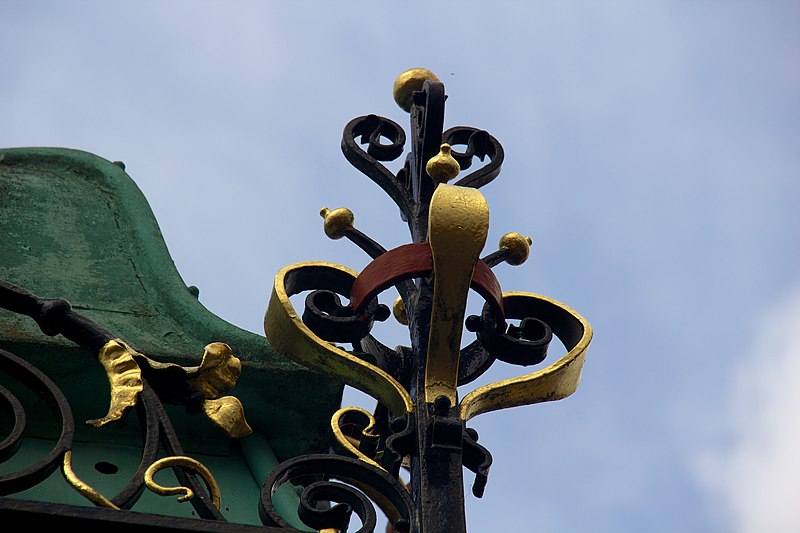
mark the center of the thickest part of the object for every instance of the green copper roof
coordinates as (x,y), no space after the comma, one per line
(75,226)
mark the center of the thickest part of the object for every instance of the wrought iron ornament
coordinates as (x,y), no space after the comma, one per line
(135,382)
(419,422)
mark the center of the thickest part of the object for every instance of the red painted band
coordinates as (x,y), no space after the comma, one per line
(404,262)
(413,261)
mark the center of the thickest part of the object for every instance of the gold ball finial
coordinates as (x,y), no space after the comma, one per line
(443,167)
(409,81)
(518,246)
(337,221)
(399,311)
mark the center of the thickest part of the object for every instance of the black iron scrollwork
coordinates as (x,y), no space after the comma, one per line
(334,322)
(52,396)
(412,189)
(478,144)
(361,485)
(523,345)
(55,316)
(370,129)
(419,423)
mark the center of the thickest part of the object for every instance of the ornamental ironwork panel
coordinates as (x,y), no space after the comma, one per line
(419,428)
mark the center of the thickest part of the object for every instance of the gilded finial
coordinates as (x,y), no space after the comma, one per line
(518,246)
(409,81)
(443,167)
(399,311)
(337,221)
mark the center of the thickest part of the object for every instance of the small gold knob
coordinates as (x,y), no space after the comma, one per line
(518,246)
(337,221)
(399,311)
(409,81)
(443,167)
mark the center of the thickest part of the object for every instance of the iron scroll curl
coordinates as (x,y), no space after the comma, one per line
(370,129)
(552,383)
(362,485)
(286,332)
(478,144)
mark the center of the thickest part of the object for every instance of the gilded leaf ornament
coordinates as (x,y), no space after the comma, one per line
(125,378)
(217,373)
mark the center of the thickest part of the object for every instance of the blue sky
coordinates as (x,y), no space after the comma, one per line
(652,153)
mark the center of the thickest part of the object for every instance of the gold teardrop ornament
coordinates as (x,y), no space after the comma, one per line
(443,167)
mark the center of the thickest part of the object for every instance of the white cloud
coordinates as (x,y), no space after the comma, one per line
(756,479)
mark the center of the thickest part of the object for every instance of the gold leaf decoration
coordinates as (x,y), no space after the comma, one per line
(228,414)
(125,378)
(217,373)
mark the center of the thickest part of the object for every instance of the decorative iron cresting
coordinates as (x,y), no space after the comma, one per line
(419,424)
(136,382)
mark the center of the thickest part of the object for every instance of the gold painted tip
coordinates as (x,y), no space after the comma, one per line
(409,81)
(337,221)
(399,311)
(443,167)
(518,246)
